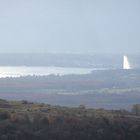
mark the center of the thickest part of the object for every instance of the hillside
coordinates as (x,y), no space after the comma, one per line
(24,120)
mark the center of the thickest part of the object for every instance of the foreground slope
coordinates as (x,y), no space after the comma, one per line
(25,121)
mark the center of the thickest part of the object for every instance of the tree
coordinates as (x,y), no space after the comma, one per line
(136,109)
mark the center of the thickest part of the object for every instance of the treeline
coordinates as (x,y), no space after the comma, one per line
(25,121)
(95,80)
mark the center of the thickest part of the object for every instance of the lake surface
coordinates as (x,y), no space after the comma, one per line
(17,71)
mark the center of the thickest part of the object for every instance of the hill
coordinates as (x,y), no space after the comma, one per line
(23,120)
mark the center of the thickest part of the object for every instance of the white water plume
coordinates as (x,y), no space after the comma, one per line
(126,64)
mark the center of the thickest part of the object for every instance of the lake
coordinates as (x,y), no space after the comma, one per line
(17,71)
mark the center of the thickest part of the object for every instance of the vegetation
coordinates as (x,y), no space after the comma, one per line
(111,89)
(26,120)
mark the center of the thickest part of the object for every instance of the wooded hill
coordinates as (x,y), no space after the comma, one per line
(24,120)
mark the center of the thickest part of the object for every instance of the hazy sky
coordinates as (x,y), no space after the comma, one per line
(76,26)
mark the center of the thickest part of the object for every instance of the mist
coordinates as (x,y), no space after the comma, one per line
(69,26)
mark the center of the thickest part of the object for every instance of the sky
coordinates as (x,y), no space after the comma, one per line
(69,26)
